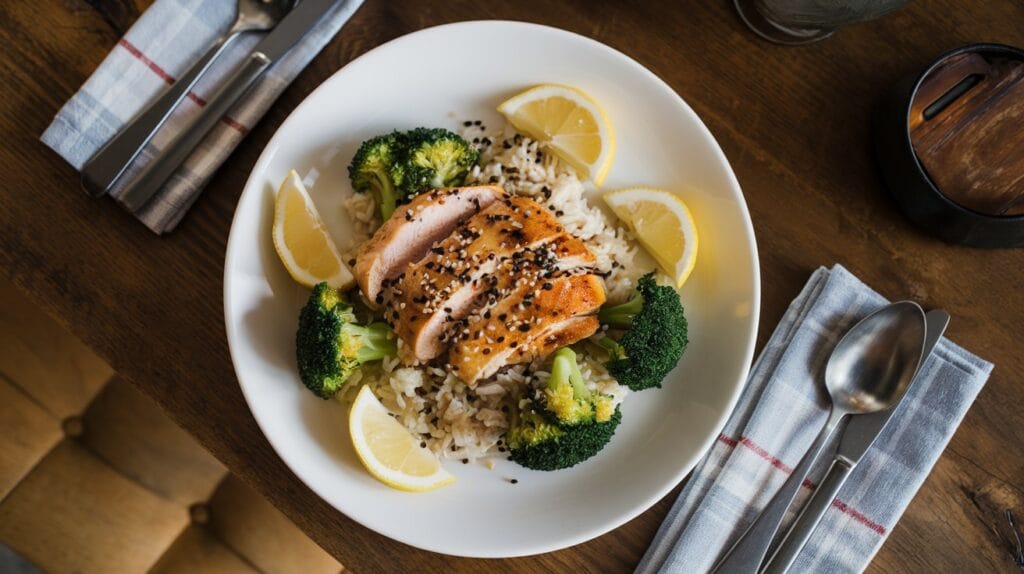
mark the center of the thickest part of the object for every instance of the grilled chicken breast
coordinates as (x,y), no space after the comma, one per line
(472,267)
(407,235)
(535,319)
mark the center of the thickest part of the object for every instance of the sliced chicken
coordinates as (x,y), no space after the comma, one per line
(411,231)
(534,320)
(473,266)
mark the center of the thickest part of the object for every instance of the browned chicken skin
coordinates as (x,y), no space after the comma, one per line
(533,321)
(471,266)
(492,279)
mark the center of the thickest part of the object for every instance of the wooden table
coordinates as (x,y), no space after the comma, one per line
(794,123)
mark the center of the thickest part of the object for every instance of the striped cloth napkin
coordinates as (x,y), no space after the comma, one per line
(163,44)
(781,411)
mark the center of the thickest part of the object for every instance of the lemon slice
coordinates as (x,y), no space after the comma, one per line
(301,240)
(662,224)
(567,121)
(392,454)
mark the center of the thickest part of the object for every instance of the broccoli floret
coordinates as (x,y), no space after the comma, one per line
(655,338)
(370,170)
(330,345)
(432,158)
(571,425)
(539,444)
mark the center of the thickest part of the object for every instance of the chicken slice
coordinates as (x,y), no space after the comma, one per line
(534,320)
(469,268)
(407,235)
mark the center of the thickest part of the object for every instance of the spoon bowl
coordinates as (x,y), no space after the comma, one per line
(874,363)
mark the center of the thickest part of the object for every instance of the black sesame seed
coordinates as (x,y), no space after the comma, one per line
(477,122)
(423,444)
(514,481)
(465,461)
(487,351)
(467,123)
(379,299)
(524,327)
(547,286)
(514,344)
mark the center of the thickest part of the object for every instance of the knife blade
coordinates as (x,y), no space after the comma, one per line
(276,44)
(858,437)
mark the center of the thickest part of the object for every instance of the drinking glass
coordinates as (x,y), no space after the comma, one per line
(804,21)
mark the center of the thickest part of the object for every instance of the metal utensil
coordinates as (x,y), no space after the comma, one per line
(857,439)
(868,371)
(104,168)
(276,44)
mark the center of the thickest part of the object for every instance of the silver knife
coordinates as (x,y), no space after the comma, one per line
(858,437)
(281,39)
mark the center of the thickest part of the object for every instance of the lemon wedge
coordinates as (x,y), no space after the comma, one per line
(389,451)
(302,242)
(569,122)
(662,224)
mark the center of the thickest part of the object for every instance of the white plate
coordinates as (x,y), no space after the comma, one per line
(438,77)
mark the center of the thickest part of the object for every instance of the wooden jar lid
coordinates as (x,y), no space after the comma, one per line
(967,128)
(950,145)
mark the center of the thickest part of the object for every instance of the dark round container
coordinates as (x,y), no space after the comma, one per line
(908,180)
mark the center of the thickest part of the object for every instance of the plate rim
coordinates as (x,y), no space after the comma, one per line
(585,534)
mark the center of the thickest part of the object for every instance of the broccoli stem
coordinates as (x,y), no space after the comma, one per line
(388,197)
(621,316)
(565,368)
(378,341)
(614,349)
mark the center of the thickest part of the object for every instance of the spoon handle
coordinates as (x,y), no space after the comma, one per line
(103,169)
(746,554)
(809,517)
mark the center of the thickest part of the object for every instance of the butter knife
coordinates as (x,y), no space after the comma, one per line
(276,44)
(858,437)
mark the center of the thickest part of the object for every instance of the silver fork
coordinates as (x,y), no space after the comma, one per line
(104,168)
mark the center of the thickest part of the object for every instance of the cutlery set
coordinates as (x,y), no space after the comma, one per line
(866,376)
(286,22)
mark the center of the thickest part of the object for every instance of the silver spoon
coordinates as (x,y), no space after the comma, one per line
(868,371)
(103,169)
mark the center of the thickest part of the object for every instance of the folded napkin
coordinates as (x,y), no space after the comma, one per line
(782,410)
(163,44)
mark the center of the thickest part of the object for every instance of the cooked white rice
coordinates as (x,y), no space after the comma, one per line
(452,420)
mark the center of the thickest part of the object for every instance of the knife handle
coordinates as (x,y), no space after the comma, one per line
(809,517)
(139,191)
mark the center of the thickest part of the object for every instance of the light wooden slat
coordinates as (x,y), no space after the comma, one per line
(257,531)
(133,435)
(197,551)
(73,513)
(43,359)
(28,432)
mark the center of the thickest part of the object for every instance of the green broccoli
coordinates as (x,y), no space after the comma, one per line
(370,170)
(432,158)
(330,345)
(571,425)
(655,338)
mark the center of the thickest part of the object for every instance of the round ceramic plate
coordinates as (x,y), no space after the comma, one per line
(439,77)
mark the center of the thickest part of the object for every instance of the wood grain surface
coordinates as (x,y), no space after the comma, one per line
(794,123)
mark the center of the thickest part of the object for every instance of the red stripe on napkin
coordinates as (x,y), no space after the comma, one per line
(775,462)
(163,75)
